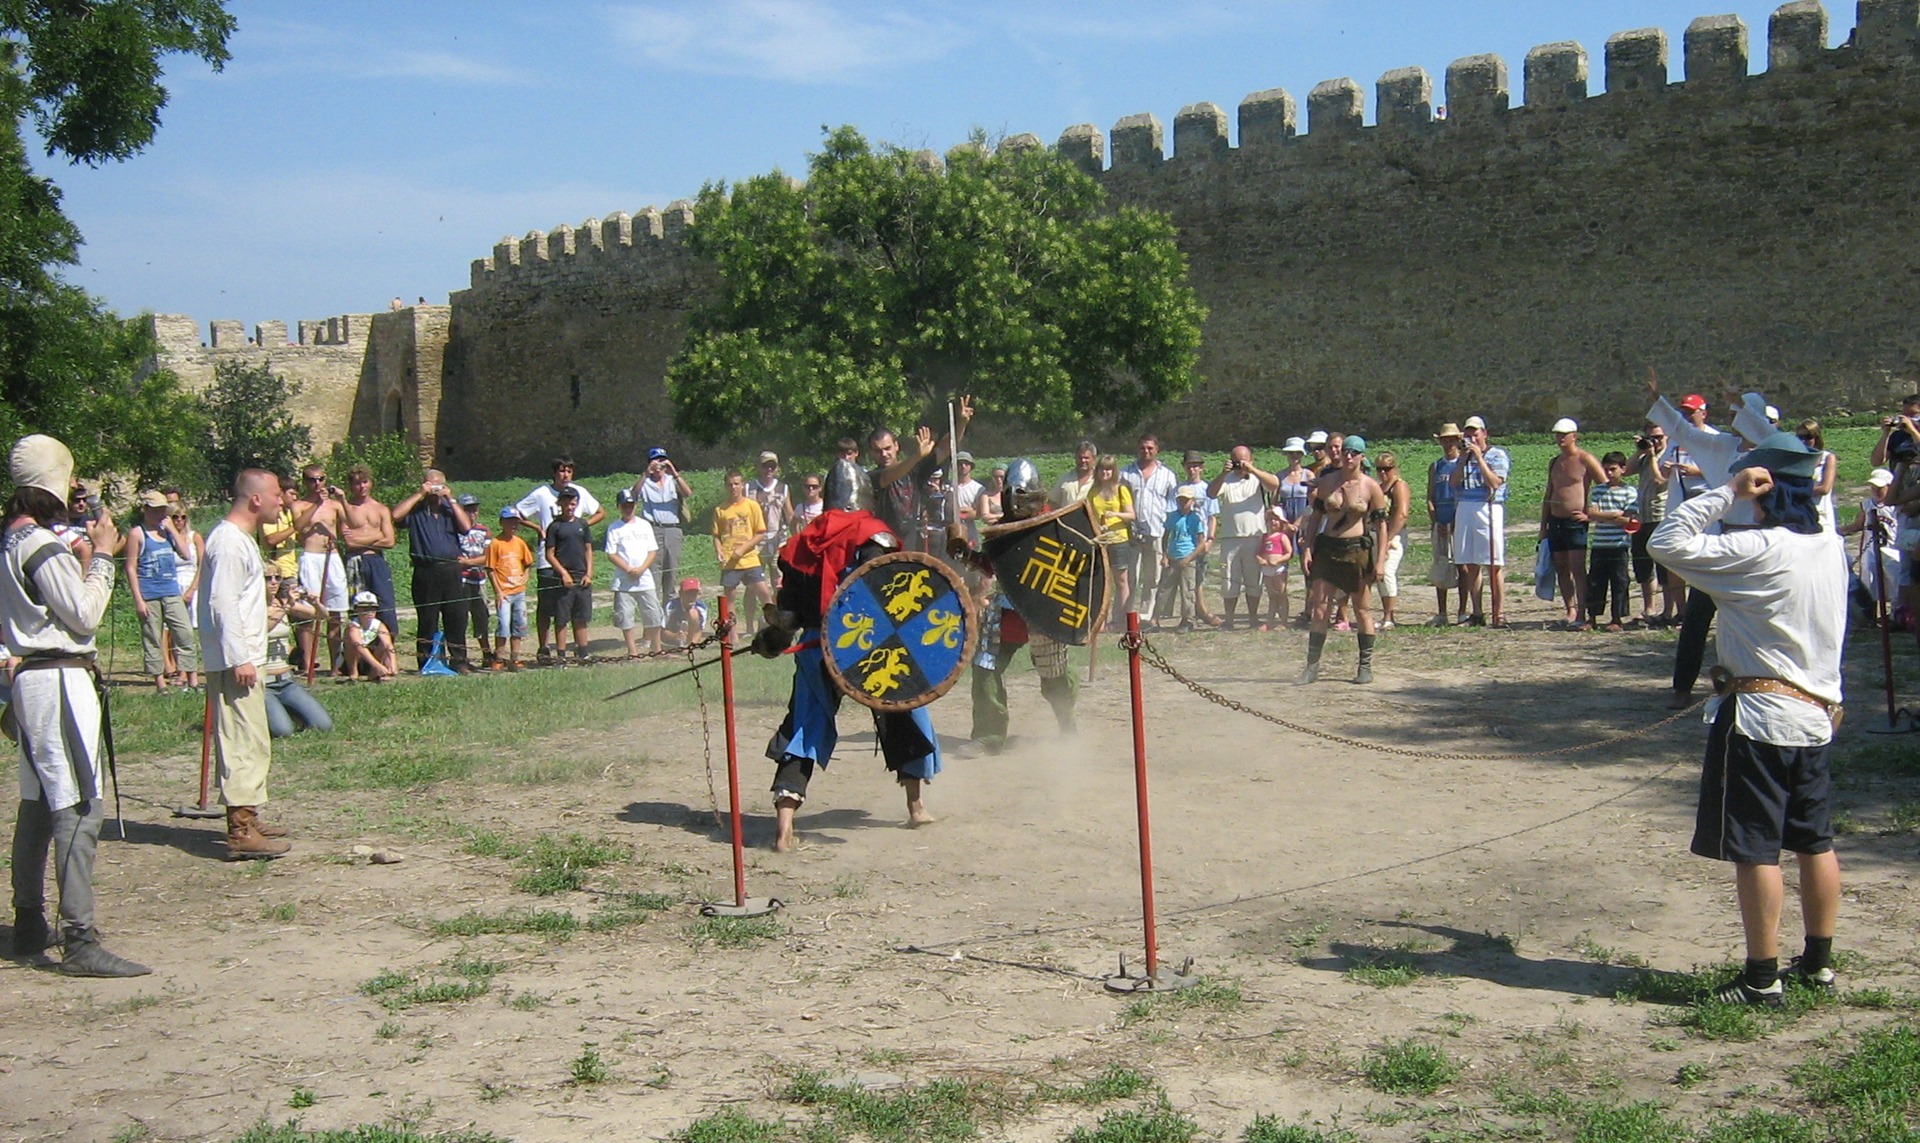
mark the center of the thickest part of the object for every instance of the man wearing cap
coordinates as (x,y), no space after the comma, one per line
(1317,444)
(776,508)
(1442,508)
(1343,540)
(1877,524)
(1241,489)
(320,516)
(233,641)
(1480,521)
(153,548)
(1701,452)
(1152,485)
(664,497)
(539,508)
(50,608)
(1780,589)
(472,603)
(631,549)
(435,524)
(1563,517)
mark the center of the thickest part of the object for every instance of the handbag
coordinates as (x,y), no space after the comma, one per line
(1543,577)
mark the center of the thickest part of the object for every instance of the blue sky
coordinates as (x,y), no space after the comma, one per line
(353,151)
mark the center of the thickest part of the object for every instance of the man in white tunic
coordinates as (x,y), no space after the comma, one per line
(1780,591)
(233,648)
(49,609)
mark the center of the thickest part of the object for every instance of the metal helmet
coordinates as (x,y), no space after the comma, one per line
(875,546)
(844,487)
(1025,496)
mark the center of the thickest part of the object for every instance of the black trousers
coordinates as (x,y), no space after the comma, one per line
(1608,568)
(439,599)
(1692,650)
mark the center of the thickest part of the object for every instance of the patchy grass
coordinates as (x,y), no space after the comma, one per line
(1205,994)
(1160,1125)
(1115,1083)
(940,1111)
(545,922)
(1269,1129)
(588,1068)
(283,912)
(292,1132)
(1388,971)
(566,863)
(1875,1087)
(398,991)
(1628,1123)
(731,1126)
(623,909)
(1408,1068)
(1762,1127)
(733,932)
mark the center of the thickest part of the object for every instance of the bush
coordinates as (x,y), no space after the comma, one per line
(394,460)
(248,423)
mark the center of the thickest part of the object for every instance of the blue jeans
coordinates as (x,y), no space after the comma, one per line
(291,706)
(510,615)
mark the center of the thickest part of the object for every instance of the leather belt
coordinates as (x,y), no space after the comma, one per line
(1726,683)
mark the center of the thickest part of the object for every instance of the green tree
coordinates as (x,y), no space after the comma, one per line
(885,284)
(392,458)
(248,422)
(85,74)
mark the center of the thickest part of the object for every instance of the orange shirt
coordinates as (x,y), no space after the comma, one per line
(507,564)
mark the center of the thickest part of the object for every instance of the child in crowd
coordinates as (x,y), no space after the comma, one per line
(1183,542)
(631,549)
(473,609)
(369,643)
(570,551)
(1610,515)
(739,526)
(507,559)
(1276,550)
(686,616)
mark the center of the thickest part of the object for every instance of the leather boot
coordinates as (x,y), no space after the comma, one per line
(1316,643)
(31,936)
(1365,673)
(85,957)
(244,839)
(266,828)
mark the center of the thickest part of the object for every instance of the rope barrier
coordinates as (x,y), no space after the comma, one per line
(1153,658)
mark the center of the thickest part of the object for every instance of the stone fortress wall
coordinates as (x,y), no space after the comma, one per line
(1522,262)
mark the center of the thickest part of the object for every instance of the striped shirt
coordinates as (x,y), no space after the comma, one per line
(1610,498)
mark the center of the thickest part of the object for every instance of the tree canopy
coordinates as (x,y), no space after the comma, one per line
(86,76)
(886,283)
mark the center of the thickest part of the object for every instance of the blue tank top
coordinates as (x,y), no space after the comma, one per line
(1296,497)
(1446,505)
(157,563)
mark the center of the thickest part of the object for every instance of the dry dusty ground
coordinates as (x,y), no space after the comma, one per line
(975,947)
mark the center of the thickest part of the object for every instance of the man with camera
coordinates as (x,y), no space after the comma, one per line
(1899,433)
(1647,464)
(1480,523)
(662,496)
(1242,489)
(435,524)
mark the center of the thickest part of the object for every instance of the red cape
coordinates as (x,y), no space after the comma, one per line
(825,547)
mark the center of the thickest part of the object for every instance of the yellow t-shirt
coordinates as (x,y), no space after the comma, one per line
(284,556)
(1107,509)
(734,529)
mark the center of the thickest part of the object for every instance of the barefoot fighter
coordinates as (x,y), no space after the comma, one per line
(1343,538)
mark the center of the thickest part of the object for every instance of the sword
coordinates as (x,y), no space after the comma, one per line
(663,678)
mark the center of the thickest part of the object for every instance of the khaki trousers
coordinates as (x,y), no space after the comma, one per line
(242,746)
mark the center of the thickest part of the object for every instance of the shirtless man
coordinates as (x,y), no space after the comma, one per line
(318,516)
(1563,517)
(1344,535)
(366,535)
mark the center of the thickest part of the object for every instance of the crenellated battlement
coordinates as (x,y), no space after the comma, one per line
(648,238)
(1714,54)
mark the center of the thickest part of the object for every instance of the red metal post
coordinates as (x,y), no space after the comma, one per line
(725,626)
(206,745)
(1140,794)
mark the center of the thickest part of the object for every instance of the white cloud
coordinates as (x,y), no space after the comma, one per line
(441,66)
(796,41)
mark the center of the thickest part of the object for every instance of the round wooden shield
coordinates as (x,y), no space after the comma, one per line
(899,631)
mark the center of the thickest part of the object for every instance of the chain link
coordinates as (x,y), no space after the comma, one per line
(1151,655)
(706,737)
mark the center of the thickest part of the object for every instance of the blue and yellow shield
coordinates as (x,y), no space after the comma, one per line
(899,631)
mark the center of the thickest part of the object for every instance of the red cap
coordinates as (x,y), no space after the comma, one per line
(690,584)
(1693,401)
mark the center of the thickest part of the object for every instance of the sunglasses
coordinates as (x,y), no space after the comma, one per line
(320,479)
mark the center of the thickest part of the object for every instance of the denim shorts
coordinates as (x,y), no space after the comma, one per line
(510,613)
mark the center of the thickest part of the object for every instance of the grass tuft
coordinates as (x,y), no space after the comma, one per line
(1117,1082)
(564,864)
(733,932)
(1628,1123)
(1160,1125)
(1269,1129)
(545,922)
(398,991)
(1408,1068)
(587,1068)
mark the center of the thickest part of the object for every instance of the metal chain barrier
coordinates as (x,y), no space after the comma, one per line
(1150,655)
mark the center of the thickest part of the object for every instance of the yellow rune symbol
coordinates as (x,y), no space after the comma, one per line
(884,670)
(905,593)
(859,632)
(1054,570)
(944,629)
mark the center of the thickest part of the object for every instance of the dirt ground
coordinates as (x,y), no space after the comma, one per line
(976,946)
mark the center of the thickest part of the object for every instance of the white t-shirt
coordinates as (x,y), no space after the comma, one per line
(632,540)
(966,498)
(1242,508)
(542,506)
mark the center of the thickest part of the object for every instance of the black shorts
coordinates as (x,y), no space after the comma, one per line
(1757,799)
(1644,569)
(547,588)
(572,605)
(1566,535)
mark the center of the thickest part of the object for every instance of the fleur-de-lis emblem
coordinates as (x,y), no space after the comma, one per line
(858,631)
(944,629)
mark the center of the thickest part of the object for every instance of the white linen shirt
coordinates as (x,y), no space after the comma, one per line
(1152,497)
(632,540)
(232,600)
(1782,599)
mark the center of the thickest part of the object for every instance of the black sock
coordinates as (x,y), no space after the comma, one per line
(1316,643)
(1761,974)
(1818,954)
